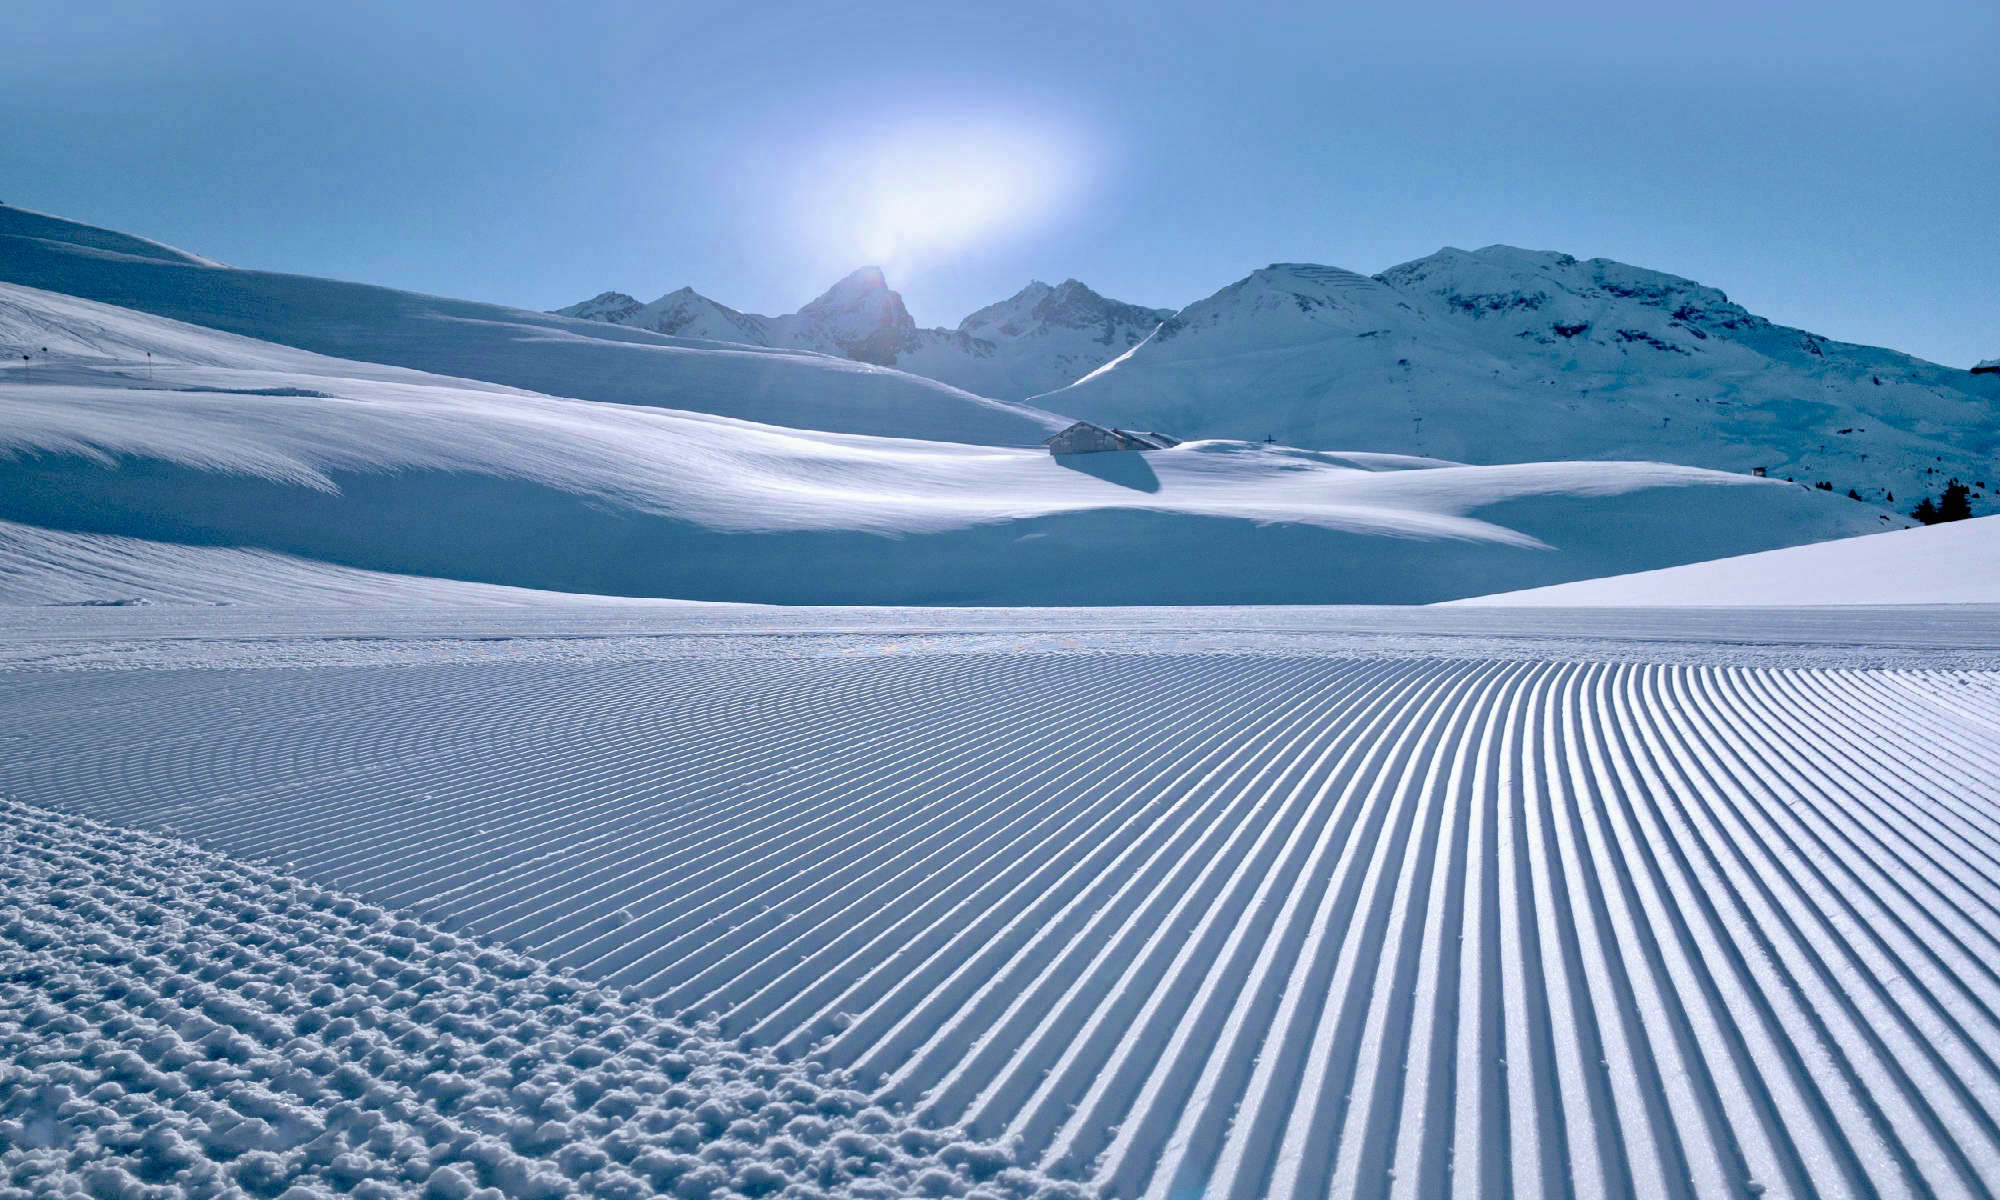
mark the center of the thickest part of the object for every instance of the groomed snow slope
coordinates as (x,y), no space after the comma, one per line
(1953,563)
(1182,924)
(503,345)
(176,1023)
(220,441)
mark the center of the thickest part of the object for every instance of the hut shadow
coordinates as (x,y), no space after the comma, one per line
(1126,468)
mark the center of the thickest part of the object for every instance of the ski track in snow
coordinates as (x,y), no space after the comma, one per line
(1186,924)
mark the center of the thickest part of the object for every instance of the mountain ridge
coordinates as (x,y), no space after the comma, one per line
(1509,354)
(1495,355)
(1036,340)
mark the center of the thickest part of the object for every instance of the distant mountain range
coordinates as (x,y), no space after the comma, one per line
(1494,355)
(1490,356)
(1509,355)
(1037,340)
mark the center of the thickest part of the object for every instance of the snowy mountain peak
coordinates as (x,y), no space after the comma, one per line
(1507,279)
(613,307)
(1008,318)
(1036,340)
(1284,304)
(859,317)
(859,286)
(1069,305)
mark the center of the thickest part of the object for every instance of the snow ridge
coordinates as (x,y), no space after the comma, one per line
(173,1022)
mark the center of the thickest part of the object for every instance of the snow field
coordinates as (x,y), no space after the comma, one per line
(173,1022)
(1187,924)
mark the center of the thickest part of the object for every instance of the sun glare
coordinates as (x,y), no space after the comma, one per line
(908,198)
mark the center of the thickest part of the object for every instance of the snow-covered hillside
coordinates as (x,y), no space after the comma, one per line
(1954,563)
(219,441)
(589,359)
(1037,340)
(1504,355)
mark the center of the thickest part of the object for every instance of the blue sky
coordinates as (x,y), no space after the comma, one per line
(1834,165)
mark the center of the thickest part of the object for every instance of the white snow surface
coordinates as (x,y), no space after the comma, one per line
(1037,340)
(1155,917)
(1954,563)
(462,338)
(1501,355)
(220,441)
(177,1023)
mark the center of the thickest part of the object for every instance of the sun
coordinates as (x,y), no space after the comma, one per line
(912,196)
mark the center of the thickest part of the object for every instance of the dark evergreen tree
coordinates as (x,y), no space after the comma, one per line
(1956,503)
(1926,511)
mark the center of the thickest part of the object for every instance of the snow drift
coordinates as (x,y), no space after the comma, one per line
(217,441)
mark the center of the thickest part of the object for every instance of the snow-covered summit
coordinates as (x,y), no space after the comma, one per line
(1540,288)
(613,307)
(1038,309)
(859,318)
(1282,304)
